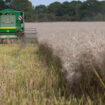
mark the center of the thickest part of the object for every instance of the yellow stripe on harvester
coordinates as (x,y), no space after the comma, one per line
(7,27)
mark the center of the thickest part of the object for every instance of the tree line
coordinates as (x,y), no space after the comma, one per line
(20,5)
(89,10)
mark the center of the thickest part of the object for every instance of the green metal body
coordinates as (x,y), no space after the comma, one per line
(10,24)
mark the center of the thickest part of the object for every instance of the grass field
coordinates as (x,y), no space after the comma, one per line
(25,79)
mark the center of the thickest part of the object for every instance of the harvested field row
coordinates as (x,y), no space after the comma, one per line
(25,79)
(79,46)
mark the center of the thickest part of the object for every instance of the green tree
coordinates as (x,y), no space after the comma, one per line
(89,9)
(2,4)
(24,5)
(40,9)
(63,9)
(53,8)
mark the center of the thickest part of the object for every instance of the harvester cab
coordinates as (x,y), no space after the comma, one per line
(12,25)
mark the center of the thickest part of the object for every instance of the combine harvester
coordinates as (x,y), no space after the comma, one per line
(12,27)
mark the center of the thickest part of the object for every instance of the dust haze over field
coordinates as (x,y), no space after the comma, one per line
(80,47)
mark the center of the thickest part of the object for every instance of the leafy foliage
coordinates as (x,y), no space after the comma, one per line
(90,10)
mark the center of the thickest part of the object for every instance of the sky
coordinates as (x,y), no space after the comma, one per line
(45,2)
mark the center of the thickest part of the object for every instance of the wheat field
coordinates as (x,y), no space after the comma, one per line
(29,76)
(25,79)
(80,46)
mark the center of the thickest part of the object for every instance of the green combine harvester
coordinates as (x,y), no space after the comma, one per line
(11,24)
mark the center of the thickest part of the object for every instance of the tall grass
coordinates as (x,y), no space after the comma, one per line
(25,79)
